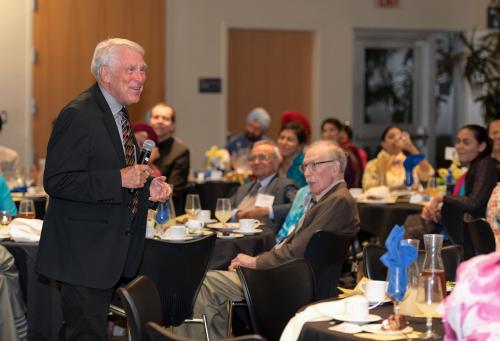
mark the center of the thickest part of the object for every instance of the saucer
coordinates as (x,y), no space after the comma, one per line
(385,300)
(175,239)
(249,232)
(377,329)
(347,318)
(229,236)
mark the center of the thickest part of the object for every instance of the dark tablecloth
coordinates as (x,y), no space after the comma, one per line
(318,331)
(379,219)
(210,191)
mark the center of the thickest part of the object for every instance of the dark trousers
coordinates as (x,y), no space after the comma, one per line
(85,313)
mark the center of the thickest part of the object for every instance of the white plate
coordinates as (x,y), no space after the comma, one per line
(4,234)
(381,302)
(199,233)
(176,239)
(376,201)
(248,233)
(229,236)
(377,329)
(227,227)
(346,318)
(209,221)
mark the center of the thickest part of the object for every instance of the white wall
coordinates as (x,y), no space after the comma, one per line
(15,71)
(197,47)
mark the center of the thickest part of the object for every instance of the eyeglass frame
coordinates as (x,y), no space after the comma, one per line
(313,165)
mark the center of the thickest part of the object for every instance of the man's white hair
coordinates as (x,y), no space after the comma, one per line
(105,50)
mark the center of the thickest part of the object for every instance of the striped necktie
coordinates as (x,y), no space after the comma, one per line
(129,146)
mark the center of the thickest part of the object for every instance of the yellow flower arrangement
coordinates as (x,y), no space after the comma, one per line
(449,176)
(216,158)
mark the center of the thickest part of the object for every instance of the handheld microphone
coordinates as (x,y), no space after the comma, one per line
(147,148)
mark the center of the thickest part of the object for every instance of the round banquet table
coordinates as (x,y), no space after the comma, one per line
(43,298)
(379,219)
(318,331)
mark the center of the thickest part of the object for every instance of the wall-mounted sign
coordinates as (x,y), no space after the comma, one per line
(210,85)
(387,3)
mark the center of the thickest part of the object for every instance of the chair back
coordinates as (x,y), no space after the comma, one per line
(159,333)
(480,233)
(376,270)
(452,219)
(275,294)
(141,302)
(178,270)
(326,253)
(372,265)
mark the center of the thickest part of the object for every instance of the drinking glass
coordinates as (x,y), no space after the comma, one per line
(26,209)
(193,206)
(396,289)
(223,210)
(429,297)
(431,189)
(165,215)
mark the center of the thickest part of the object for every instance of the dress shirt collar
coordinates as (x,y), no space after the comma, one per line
(264,182)
(318,197)
(114,105)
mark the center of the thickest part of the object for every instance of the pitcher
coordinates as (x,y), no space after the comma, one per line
(433,261)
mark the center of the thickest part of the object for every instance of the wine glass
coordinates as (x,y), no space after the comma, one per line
(397,289)
(165,215)
(193,206)
(223,210)
(429,297)
(26,209)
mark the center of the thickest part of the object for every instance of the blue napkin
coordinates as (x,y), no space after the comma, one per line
(397,259)
(409,163)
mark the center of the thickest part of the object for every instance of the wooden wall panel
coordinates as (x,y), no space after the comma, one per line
(271,69)
(65,35)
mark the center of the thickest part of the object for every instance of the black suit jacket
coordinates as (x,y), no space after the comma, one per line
(88,236)
(173,162)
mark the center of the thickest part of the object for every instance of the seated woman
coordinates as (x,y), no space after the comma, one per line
(473,189)
(472,310)
(331,129)
(387,168)
(291,142)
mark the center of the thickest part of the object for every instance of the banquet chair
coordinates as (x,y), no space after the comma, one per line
(275,294)
(376,270)
(326,253)
(452,219)
(178,269)
(141,303)
(480,233)
(159,333)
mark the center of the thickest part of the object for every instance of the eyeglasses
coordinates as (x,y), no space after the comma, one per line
(313,166)
(260,157)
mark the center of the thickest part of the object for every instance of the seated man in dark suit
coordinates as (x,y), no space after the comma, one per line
(270,196)
(173,162)
(331,208)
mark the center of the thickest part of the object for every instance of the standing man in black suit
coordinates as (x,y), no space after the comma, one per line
(94,228)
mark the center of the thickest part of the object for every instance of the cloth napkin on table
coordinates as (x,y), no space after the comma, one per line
(25,230)
(397,259)
(409,163)
(311,314)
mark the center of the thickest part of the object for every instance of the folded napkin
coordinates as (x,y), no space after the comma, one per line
(397,259)
(317,312)
(379,192)
(409,163)
(25,230)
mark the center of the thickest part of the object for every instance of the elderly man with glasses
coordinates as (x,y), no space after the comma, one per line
(270,196)
(330,208)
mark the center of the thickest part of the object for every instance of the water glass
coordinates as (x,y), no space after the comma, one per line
(193,206)
(429,297)
(223,210)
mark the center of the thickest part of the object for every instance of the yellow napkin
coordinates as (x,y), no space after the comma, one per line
(356,291)
(373,336)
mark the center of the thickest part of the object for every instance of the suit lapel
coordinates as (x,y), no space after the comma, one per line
(109,123)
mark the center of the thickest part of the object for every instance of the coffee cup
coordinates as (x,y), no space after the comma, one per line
(176,232)
(203,216)
(194,225)
(356,308)
(247,225)
(374,291)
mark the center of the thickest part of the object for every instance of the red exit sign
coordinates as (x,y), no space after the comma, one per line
(387,3)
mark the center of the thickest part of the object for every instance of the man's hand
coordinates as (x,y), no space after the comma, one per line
(159,190)
(259,213)
(243,260)
(135,176)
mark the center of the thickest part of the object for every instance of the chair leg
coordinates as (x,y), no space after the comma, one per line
(230,305)
(205,325)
